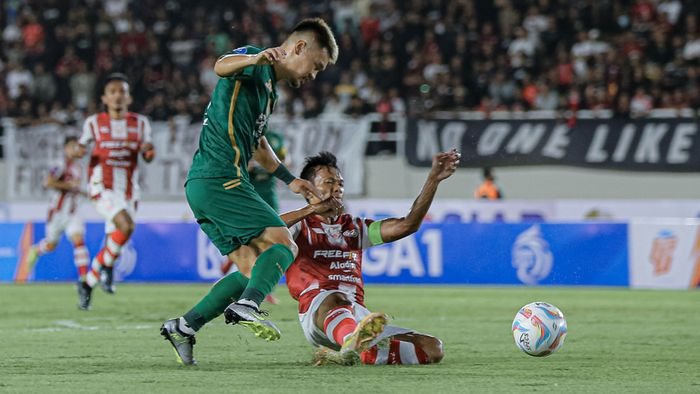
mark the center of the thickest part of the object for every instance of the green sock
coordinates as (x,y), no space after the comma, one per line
(225,291)
(267,272)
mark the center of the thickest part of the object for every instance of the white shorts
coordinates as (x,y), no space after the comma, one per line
(109,204)
(317,337)
(60,222)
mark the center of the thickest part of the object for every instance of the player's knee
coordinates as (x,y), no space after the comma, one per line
(77,240)
(281,236)
(124,223)
(433,349)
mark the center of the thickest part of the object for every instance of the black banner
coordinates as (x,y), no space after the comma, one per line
(670,145)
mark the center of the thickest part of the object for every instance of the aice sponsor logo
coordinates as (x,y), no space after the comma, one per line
(531,256)
(662,249)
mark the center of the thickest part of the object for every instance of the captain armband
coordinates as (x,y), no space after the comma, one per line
(375,233)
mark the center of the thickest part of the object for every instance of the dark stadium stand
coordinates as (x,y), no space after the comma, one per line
(395,56)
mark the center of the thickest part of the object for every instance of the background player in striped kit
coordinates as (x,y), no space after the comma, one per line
(326,276)
(64,182)
(119,138)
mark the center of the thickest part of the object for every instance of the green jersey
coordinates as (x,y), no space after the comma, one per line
(263,181)
(234,121)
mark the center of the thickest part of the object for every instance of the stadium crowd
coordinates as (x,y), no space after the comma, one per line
(414,56)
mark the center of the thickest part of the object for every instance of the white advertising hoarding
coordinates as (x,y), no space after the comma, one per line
(664,254)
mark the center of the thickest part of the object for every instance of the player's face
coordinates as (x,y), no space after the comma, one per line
(116,96)
(306,62)
(329,182)
(72,150)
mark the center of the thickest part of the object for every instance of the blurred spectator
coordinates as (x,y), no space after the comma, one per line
(407,57)
(17,77)
(82,85)
(488,189)
(333,105)
(44,86)
(358,107)
(641,103)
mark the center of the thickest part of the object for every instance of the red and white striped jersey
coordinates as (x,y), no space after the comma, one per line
(114,159)
(62,201)
(330,258)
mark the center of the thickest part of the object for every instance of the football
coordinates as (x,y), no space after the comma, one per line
(539,329)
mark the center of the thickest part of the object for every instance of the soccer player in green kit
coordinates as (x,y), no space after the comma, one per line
(264,184)
(218,188)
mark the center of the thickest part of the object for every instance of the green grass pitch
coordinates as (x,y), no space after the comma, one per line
(619,340)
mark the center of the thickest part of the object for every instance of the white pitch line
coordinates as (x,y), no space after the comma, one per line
(64,325)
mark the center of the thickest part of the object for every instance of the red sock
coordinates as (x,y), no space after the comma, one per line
(398,352)
(339,323)
(81,258)
(112,248)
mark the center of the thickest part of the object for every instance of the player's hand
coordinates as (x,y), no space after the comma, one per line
(75,186)
(328,207)
(444,165)
(270,56)
(305,188)
(148,152)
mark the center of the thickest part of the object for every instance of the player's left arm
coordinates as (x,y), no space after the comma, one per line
(266,157)
(393,229)
(148,151)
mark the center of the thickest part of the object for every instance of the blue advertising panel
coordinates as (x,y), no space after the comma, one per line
(10,235)
(440,253)
(501,253)
(157,252)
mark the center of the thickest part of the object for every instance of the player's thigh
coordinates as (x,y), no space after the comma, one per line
(55,227)
(109,204)
(235,208)
(75,229)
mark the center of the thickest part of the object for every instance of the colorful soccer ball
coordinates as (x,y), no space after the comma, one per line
(539,329)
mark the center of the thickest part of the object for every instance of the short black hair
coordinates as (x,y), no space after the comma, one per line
(311,163)
(69,139)
(116,77)
(322,32)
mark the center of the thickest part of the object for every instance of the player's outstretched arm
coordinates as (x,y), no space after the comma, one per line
(444,165)
(328,207)
(231,64)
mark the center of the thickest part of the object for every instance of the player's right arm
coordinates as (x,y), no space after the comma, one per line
(230,64)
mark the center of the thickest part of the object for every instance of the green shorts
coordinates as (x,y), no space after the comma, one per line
(229,212)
